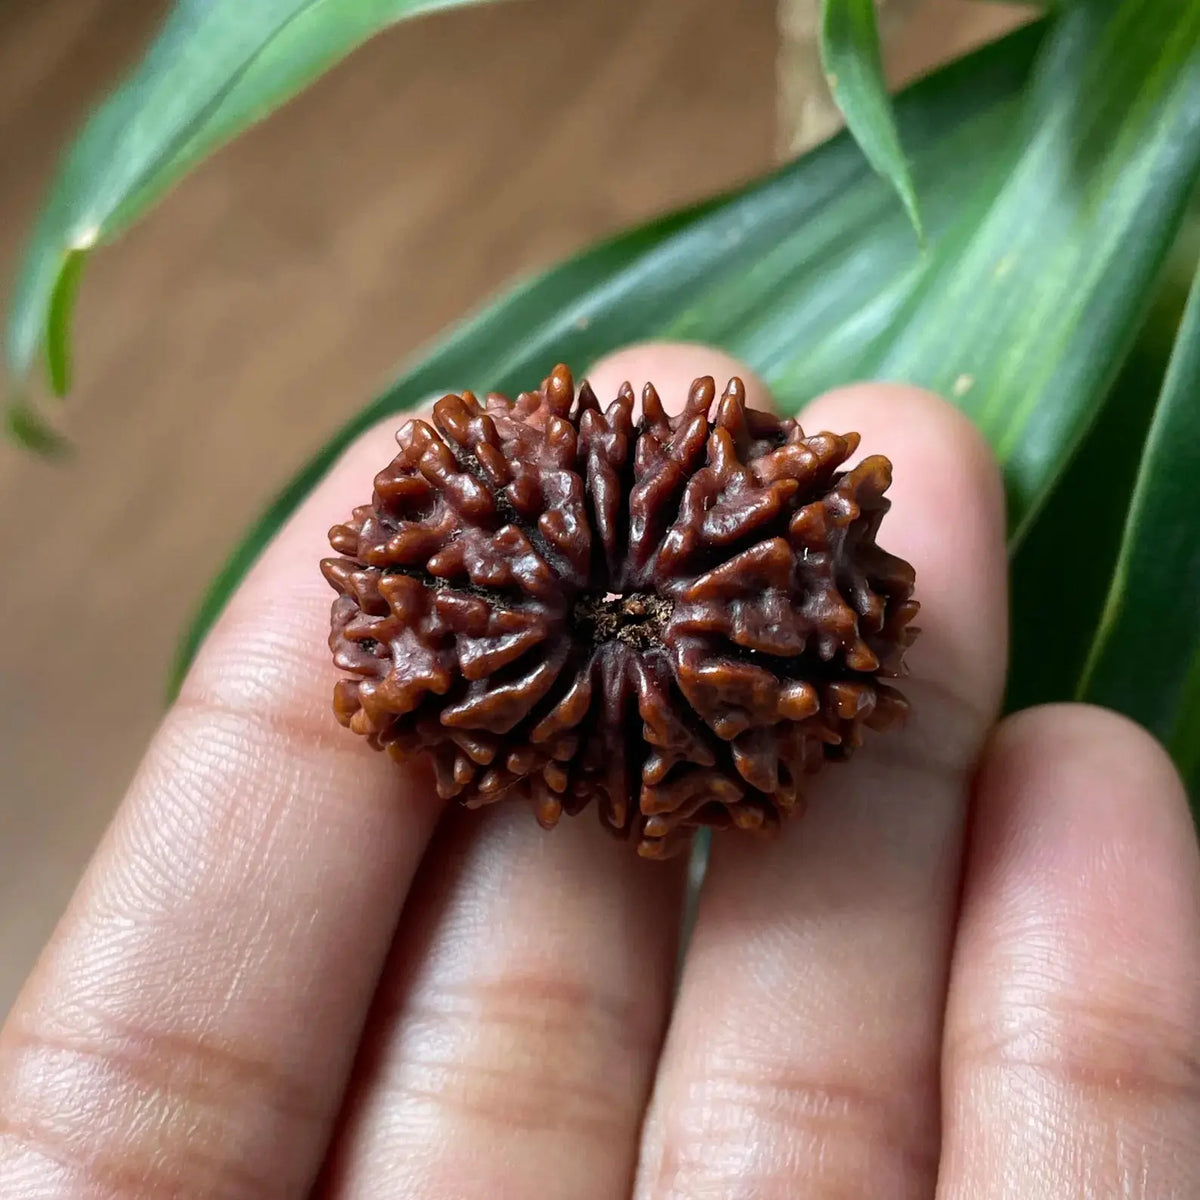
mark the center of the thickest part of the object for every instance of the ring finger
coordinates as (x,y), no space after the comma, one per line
(803,1052)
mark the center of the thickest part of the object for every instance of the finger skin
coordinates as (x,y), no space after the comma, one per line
(1072,1054)
(190,1026)
(513,1040)
(803,1052)
(515,1037)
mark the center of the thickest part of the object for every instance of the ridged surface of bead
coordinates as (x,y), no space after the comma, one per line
(673,618)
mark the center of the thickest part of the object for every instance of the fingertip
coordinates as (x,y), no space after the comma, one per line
(1082,843)
(904,423)
(947,519)
(671,367)
(1083,724)
(1056,768)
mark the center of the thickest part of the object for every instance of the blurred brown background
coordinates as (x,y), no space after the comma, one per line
(223,338)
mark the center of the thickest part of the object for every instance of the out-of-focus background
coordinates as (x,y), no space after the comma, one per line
(225,337)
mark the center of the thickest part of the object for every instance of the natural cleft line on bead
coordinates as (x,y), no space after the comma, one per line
(675,617)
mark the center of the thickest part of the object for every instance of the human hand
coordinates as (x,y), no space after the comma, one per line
(279,980)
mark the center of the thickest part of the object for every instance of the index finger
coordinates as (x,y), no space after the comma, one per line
(190,1026)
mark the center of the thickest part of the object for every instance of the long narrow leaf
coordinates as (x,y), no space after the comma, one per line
(1047,222)
(1146,657)
(854,69)
(1073,545)
(216,67)
(1071,549)
(799,274)
(1031,303)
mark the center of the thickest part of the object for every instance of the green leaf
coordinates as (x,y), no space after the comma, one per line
(1072,547)
(27,429)
(58,329)
(216,67)
(854,69)
(1145,660)
(1033,299)
(1048,219)
(799,274)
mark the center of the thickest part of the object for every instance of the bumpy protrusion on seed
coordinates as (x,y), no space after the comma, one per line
(678,618)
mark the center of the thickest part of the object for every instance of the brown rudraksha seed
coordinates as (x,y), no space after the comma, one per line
(676,617)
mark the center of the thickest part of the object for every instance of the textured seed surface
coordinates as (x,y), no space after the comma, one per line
(676,618)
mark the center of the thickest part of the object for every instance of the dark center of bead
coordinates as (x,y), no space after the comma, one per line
(638,619)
